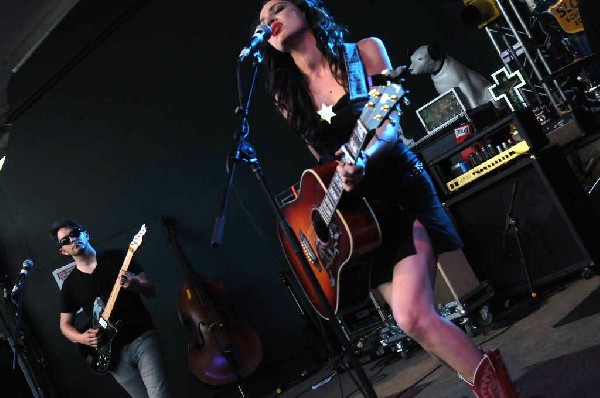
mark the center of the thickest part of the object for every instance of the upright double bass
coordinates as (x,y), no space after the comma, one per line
(222,350)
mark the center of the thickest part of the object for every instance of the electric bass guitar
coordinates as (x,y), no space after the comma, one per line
(336,237)
(99,358)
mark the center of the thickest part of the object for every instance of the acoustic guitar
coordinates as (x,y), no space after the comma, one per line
(99,358)
(336,237)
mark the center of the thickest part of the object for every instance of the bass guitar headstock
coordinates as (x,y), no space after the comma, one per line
(137,239)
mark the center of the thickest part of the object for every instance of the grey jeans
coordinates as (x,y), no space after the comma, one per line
(141,369)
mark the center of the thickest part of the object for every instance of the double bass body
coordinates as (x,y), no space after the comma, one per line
(222,349)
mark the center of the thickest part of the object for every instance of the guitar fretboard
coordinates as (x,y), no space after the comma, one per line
(135,243)
(116,287)
(382,101)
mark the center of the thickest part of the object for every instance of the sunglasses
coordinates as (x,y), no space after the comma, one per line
(65,240)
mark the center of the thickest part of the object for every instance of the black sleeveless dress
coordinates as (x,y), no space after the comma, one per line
(398,189)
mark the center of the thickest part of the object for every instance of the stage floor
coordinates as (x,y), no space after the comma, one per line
(550,344)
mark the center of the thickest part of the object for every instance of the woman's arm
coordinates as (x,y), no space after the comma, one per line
(375,60)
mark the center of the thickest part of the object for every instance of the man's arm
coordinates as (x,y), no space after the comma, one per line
(138,283)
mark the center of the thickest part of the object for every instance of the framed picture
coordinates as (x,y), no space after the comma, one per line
(442,111)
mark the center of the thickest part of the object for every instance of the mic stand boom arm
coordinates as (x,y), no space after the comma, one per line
(241,151)
(241,148)
(244,151)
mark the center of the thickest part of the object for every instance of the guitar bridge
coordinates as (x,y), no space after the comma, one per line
(308,251)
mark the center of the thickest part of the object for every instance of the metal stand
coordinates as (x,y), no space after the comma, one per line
(26,352)
(243,151)
(390,335)
(515,44)
(591,190)
(17,333)
(513,223)
(310,318)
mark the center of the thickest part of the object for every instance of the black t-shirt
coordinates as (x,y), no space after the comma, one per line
(80,290)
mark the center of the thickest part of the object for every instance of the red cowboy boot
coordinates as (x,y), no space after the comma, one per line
(491,378)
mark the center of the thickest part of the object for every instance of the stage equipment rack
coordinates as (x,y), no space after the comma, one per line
(518,134)
(513,40)
(554,217)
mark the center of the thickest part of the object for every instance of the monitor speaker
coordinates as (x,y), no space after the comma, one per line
(536,202)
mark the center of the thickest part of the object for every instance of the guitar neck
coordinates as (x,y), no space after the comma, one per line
(117,287)
(352,149)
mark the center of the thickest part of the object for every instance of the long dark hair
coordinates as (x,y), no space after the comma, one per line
(284,82)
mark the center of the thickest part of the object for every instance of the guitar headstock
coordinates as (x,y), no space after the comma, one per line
(389,95)
(137,239)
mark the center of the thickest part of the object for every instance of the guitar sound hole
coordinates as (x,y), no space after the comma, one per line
(321,229)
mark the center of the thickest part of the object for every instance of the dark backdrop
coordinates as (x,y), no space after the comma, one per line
(116,127)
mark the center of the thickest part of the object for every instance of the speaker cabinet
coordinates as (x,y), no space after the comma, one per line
(551,216)
(455,278)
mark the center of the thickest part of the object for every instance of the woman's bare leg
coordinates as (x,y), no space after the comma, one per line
(410,297)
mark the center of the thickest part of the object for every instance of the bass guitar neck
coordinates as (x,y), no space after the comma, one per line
(99,357)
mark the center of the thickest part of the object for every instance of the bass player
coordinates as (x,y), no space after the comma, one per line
(136,357)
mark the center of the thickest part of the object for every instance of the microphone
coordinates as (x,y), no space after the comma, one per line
(27,265)
(262,33)
(381,79)
(397,73)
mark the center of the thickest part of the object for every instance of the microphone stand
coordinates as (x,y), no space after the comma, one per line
(512,222)
(20,344)
(245,152)
(18,322)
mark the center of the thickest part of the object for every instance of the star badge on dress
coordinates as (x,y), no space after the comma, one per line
(326,113)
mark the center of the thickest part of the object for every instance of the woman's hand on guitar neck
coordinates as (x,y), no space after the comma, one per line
(351,173)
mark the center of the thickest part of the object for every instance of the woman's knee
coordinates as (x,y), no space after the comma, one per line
(408,320)
(414,322)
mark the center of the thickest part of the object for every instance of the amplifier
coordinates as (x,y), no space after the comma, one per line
(488,166)
(494,147)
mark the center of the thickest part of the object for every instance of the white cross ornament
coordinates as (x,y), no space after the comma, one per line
(506,87)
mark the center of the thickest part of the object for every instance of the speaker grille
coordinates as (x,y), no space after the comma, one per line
(550,211)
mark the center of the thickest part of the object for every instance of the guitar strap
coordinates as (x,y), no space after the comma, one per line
(357,82)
